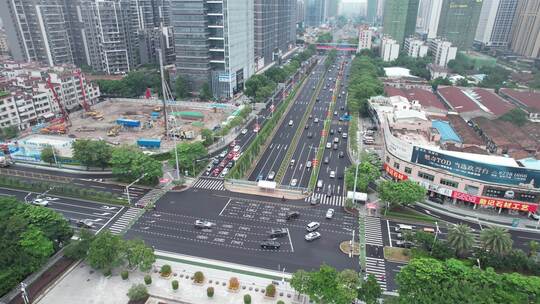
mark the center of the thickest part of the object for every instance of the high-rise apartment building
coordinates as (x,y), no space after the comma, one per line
(314,12)
(525,35)
(332,7)
(458,21)
(214,43)
(415,47)
(389,49)
(442,52)
(37,30)
(495,23)
(300,10)
(399,18)
(275,29)
(429,12)
(371,12)
(364,38)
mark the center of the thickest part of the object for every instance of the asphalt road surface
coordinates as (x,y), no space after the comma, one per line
(72,209)
(241,223)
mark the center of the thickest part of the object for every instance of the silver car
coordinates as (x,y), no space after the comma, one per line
(312,236)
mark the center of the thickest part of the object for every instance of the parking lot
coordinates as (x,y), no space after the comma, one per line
(96,214)
(239,228)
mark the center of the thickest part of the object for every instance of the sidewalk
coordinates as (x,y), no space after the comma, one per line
(84,286)
(486,217)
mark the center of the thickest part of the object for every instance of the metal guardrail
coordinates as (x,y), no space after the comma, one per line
(35,175)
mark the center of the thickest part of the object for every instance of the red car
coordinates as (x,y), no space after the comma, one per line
(230,155)
(216,172)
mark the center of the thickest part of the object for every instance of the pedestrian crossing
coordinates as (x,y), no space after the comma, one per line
(134,193)
(377,268)
(325,200)
(373,231)
(123,222)
(210,184)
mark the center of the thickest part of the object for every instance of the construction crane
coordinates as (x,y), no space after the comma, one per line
(63,111)
(85,104)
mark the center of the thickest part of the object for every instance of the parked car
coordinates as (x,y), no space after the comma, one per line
(270,244)
(292,215)
(278,232)
(312,236)
(200,224)
(313,226)
(330,213)
(436,199)
(535,216)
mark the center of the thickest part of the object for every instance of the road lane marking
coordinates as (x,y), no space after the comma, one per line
(225,207)
(389,235)
(290,241)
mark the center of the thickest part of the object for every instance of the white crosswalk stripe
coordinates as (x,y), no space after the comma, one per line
(373,231)
(210,184)
(122,223)
(377,268)
(325,200)
(93,179)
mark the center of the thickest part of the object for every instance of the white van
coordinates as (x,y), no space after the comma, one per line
(401,227)
(320,183)
(290,122)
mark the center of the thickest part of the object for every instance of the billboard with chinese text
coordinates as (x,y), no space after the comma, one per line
(489,173)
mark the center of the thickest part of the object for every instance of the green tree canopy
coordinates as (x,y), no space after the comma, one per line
(326,285)
(129,163)
(516,116)
(48,155)
(206,92)
(134,84)
(181,89)
(370,290)
(105,251)
(188,154)
(367,173)
(496,240)
(208,137)
(139,255)
(427,281)
(90,152)
(325,37)
(460,238)
(8,132)
(401,193)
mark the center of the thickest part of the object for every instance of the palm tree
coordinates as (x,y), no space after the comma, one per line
(460,237)
(533,248)
(496,240)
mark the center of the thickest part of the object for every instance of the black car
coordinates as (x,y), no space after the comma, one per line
(341,154)
(230,164)
(332,131)
(404,244)
(270,244)
(85,223)
(306,126)
(292,215)
(278,232)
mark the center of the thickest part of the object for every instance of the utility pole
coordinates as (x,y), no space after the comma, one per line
(163,88)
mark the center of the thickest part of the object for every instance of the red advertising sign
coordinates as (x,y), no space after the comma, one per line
(393,173)
(495,202)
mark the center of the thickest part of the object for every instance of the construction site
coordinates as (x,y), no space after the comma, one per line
(140,122)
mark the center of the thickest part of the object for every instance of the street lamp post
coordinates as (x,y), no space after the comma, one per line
(24,293)
(127,187)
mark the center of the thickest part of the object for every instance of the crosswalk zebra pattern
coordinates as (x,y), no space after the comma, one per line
(377,268)
(122,223)
(325,200)
(210,184)
(373,231)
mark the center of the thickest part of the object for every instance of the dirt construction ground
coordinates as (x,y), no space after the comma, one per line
(84,126)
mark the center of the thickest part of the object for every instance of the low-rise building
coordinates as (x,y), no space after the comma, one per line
(442,51)
(527,100)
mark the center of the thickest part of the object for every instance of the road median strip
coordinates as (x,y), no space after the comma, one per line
(300,129)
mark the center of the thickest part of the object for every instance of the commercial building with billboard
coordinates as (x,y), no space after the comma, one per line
(478,180)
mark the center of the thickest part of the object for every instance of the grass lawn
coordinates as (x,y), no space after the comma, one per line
(404,213)
(397,254)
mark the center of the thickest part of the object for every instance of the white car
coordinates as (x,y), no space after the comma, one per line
(329,213)
(271,175)
(328,145)
(204,224)
(223,154)
(236,148)
(313,226)
(312,236)
(237,156)
(294,181)
(290,122)
(40,202)
(224,172)
(332,174)
(244,131)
